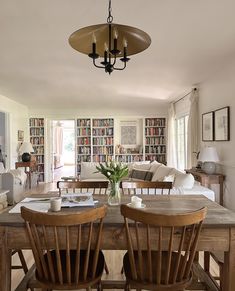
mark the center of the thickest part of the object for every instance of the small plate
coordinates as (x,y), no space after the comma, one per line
(142,206)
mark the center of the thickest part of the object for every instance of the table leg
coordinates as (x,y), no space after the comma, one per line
(5,262)
(229,264)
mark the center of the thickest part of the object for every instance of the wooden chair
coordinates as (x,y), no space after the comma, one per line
(22,261)
(65,261)
(145,187)
(218,258)
(96,187)
(175,237)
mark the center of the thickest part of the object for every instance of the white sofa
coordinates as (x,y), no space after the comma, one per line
(15,182)
(182,183)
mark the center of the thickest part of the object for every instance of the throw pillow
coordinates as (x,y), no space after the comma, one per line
(141,175)
(154,166)
(161,172)
(184,180)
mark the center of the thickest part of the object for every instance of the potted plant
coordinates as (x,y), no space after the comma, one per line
(114,172)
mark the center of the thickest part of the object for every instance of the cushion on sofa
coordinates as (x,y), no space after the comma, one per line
(19,175)
(154,166)
(141,175)
(184,180)
(161,172)
(88,170)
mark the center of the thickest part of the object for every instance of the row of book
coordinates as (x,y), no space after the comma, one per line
(37,140)
(83,140)
(84,150)
(101,158)
(36,122)
(103,150)
(103,141)
(155,131)
(155,149)
(40,159)
(38,150)
(102,131)
(84,131)
(37,131)
(103,122)
(84,158)
(155,122)
(40,168)
(129,158)
(155,140)
(84,122)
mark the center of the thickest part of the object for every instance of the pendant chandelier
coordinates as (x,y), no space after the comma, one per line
(111,42)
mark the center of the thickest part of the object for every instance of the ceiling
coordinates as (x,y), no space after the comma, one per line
(191,39)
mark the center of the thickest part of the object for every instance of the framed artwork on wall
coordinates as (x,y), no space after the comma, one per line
(128,133)
(222,124)
(20,135)
(208,126)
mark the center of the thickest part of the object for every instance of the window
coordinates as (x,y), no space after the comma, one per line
(181,141)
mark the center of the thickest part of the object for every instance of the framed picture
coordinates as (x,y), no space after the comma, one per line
(20,135)
(222,124)
(128,134)
(208,126)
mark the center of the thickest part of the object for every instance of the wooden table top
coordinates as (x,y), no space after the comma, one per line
(217,215)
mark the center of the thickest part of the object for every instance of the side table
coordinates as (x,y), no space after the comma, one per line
(32,165)
(208,179)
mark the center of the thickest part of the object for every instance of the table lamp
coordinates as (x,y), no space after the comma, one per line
(208,155)
(25,149)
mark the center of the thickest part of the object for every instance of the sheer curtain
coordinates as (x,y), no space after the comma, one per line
(192,141)
(171,144)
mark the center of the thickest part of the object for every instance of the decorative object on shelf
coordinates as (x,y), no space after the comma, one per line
(209,156)
(222,124)
(208,126)
(25,149)
(110,41)
(114,172)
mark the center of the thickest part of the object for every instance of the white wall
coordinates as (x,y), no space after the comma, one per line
(217,92)
(18,120)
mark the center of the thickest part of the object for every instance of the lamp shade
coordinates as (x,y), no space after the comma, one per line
(208,154)
(26,147)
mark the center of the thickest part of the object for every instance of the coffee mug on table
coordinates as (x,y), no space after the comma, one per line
(136,202)
(55,204)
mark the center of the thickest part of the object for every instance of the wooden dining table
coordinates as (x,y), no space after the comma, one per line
(218,232)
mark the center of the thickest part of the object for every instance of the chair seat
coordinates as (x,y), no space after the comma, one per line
(81,283)
(180,284)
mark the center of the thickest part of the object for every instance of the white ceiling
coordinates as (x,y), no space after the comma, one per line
(191,39)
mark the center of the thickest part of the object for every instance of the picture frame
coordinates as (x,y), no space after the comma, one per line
(128,132)
(20,135)
(222,124)
(208,126)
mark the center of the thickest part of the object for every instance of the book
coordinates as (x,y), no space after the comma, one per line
(77,199)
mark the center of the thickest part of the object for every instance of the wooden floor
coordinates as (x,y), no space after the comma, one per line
(113,259)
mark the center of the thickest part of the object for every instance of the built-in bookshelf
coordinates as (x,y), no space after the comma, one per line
(83,141)
(36,132)
(102,139)
(155,139)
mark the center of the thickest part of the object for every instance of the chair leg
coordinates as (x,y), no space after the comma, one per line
(22,260)
(106,268)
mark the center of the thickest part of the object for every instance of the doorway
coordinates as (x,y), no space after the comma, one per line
(63,149)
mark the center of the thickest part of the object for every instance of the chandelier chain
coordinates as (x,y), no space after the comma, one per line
(110,17)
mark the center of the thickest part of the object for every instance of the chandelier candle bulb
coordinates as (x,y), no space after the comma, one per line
(124,42)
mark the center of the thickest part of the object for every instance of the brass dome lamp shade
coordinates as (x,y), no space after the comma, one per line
(110,41)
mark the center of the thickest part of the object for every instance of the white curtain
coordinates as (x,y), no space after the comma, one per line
(58,140)
(192,144)
(171,138)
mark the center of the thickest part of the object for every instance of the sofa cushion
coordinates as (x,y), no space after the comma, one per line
(161,172)
(19,175)
(88,170)
(154,166)
(169,178)
(184,180)
(141,175)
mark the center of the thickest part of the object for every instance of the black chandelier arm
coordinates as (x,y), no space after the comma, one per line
(120,69)
(97,66)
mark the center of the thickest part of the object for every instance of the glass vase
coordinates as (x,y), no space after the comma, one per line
(114,194)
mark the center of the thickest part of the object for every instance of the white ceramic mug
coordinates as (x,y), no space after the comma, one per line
(136,202)
(55,204)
